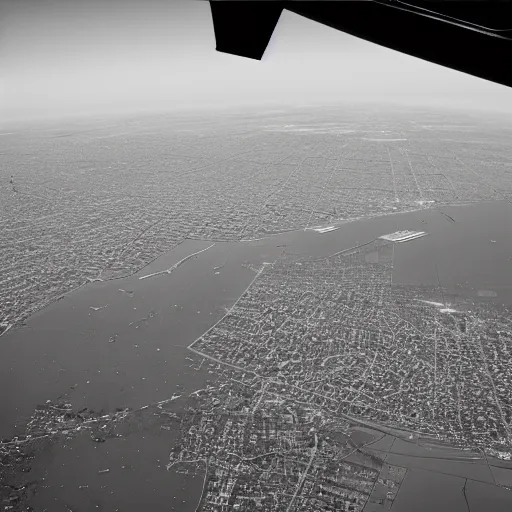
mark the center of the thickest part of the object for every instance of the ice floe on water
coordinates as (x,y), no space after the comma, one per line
(403,236)
(324,229)
(97,308)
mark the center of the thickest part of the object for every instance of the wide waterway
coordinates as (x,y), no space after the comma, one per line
(122,343)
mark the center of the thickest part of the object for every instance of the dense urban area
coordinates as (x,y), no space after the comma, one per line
(322,363)
(99,203)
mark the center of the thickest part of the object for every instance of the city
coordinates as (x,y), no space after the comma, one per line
(322,363)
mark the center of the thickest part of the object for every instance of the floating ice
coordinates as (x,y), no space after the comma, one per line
(98,308)
(325,229)
(403,236)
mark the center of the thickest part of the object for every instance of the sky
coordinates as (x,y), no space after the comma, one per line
(67,57)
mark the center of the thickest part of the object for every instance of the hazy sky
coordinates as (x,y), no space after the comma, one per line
(72,56)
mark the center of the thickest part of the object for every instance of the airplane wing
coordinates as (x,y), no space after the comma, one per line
(468,36)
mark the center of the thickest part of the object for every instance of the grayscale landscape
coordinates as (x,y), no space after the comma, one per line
(280,309)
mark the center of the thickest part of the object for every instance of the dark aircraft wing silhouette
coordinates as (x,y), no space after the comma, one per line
(474,37)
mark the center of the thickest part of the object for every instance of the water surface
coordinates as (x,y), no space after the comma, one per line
(122,343)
